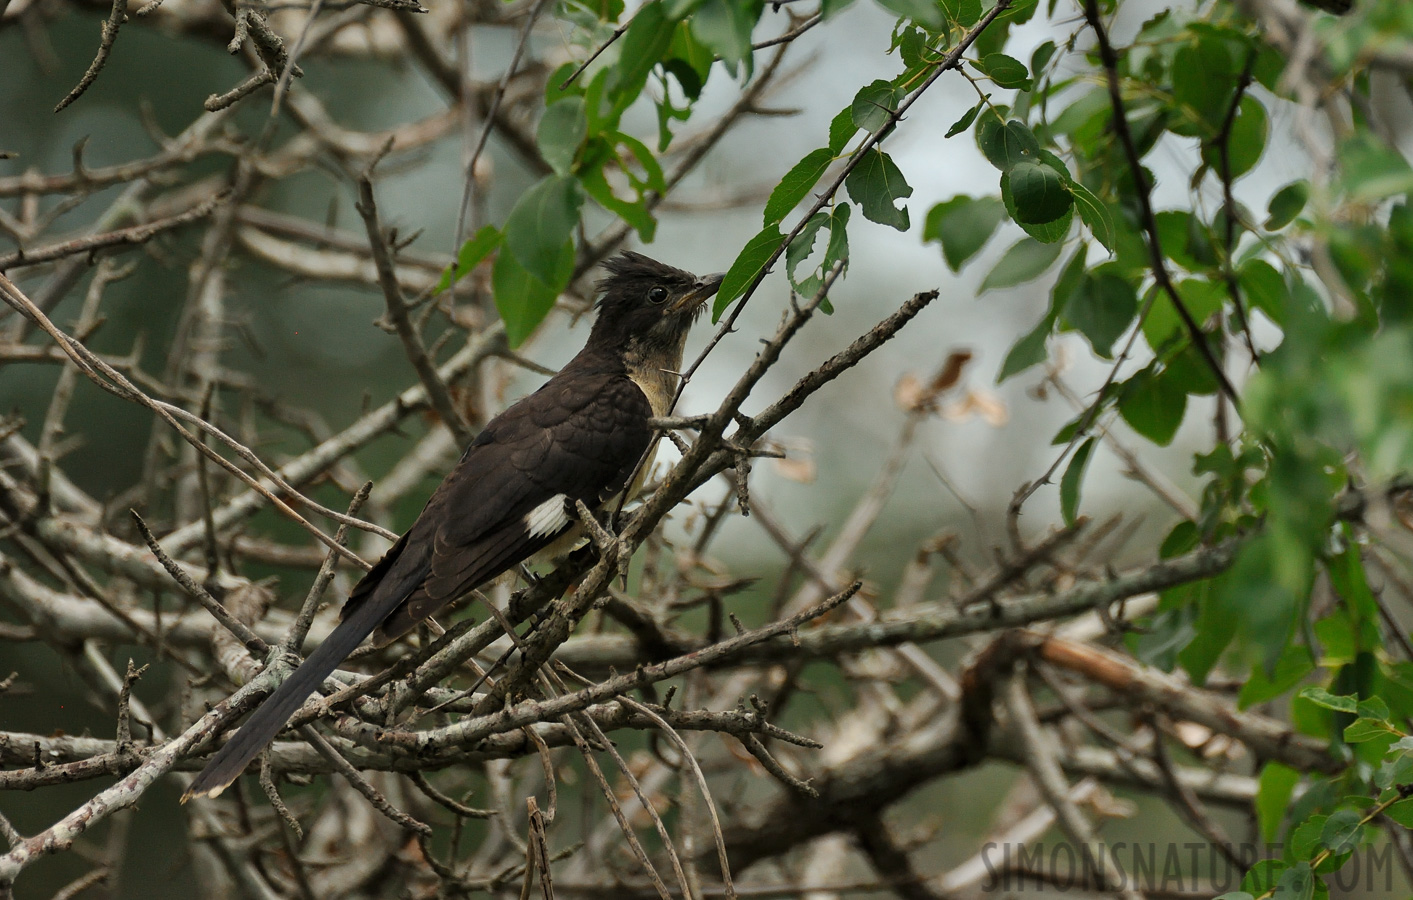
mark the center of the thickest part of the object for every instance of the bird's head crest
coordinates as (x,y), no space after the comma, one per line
(641,296)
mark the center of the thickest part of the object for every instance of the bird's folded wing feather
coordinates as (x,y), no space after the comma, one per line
(576,439)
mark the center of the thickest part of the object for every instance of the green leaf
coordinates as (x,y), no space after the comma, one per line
(1296,883)
(1361,730)
(641,47)
(828,9)
(470,255)
(1028,351)
(1041,57)
(1401,812)
(1071,481)
(1372,170)
(1199,297)
(927,13)
(1341,831)
(1026,260)
(841,128)
(1264,289)
(1039,192)
(875,184)
(1396,771)
(1008,144)
(542,220)
(874,104)
(1153,406)
(1245,142)
(602,152)
(1204,74)
(634,213)
(836,250)
(1374,708)
(1184,538)
(1094,213)
(1293,667)
(524,300)
(749,264)
(803,244)
(962,225)
(965,13)
(1286,204)
(725,26)
(1006,71)
(965,121)
(689,61)
(1273,792)
(1044,232)
(1337,702)
(1261,878)
(1102,307)
(796,184)
(562,129)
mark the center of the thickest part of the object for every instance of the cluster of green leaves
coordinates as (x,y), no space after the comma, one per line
(921,39)
(581,139)
(1331,404)
(1332,827)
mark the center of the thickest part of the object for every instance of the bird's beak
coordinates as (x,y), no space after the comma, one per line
(705,287)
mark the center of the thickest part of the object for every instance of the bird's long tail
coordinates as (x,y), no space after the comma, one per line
(230,761)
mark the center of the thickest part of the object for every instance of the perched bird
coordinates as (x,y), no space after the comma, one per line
(580,437)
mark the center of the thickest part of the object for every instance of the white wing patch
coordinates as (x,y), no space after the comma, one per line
(547,518)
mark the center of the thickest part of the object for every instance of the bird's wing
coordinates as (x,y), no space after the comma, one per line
(512,494)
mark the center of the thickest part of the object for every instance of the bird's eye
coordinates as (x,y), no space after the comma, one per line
(657,294)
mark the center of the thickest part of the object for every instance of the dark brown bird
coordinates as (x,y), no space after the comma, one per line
(580,437)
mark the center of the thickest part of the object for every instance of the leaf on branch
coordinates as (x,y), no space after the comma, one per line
(1094,213)
(1205,73)
(874,104)
(963,225)
(836,251)
(1039,192)
(749,264)
(1005,71)
(828,9)
(841,129)
(965,121)
(1102,307)
(725,26)
(522,299)
(599,155)
(1071,481)
(1006,144)
(796,184)
(1273,792)
(1153,405)
(964,13)
(542,220)
(1026,260)
(1286,204)
(469,256)
(927,13)
(1028,351)
(876,184)
(641,47)
(1245,142)
(1372,170)
(1162,327)
(562,129)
